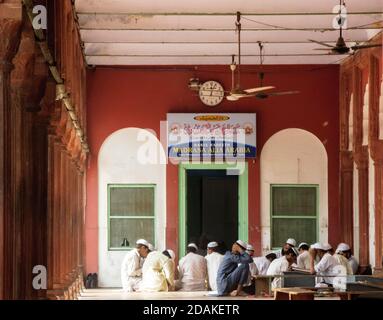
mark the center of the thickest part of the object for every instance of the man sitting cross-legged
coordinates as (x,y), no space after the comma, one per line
(233,271)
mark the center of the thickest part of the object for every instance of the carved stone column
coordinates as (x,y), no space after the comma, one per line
(346,196)
(9,41)
(361,159)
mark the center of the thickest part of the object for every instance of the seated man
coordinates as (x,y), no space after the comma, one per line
(233,271)
(325,266)
(158,272)
(192,270)
(249,287)
(131,267)
(345,250)
(342,260)
(303,260)
(280,265)
(263,263)
(213,259)
(290,243)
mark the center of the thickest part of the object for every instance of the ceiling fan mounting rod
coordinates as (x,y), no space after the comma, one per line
(238,27)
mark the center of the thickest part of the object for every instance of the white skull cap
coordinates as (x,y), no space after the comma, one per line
(317,246)
(193,245)
(302,244)
(291,242)
(172,254)
(143,242)
(212,244)
(327,247)
(343,247)
(242,244)
(249,247)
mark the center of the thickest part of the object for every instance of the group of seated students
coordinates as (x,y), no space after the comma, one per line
(146,270)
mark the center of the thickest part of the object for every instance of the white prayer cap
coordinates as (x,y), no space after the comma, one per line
(302,244)
(291,242)
(249,247)
(317,246)
(343,247)
(212,244)
(151,247)
(327,247)
(143,242)
(172,254)
(241,244)
(193,245)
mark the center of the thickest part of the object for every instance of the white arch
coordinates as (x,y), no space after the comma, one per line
(293,156)
(128,156)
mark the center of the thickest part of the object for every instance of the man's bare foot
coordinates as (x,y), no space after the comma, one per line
(234,293)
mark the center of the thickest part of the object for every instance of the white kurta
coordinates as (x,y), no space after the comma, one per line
(131,271)
(325,267)
(213,261)
(157,273)
(277,267)
(192,272)
(262,265)
(303,260)
(342,260)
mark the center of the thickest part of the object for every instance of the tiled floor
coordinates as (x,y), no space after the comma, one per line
(118,294)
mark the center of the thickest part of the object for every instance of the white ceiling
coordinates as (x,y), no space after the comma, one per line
(184,32)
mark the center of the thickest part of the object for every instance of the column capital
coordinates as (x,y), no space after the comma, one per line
(10,30)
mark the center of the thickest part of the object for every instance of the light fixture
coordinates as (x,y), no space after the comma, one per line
(194,84)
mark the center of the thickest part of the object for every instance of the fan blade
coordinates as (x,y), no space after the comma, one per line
(322,43)
(231,98)
(365,46)
(254,90)
(282,93)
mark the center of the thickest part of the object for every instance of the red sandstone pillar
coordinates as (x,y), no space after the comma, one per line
(378,215)
(346,194)
(361,159)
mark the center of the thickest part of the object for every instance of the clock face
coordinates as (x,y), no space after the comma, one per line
(211,93)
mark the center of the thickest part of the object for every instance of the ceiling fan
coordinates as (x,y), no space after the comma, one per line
(340,46)
(264,95)
(236,91)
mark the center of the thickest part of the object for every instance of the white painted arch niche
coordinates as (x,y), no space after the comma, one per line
(128,156)
(293,156)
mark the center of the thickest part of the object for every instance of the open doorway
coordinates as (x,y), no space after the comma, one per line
(214,172)
(211,208)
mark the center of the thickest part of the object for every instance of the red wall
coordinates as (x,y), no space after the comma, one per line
(141,97)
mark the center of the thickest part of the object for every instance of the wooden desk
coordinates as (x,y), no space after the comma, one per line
(293,294)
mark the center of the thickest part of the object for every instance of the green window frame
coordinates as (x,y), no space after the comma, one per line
(293,215)
(147,216)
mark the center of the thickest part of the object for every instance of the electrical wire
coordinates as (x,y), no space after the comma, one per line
(285,28)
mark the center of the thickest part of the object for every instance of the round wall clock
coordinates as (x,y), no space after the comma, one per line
(211,93)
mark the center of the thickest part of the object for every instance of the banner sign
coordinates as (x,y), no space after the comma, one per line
(214,135)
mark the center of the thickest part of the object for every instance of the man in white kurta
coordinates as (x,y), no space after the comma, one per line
(342,260)
(131,267)
(280,265)
(290,243)
(345,250)
(325,267)
(192,270)
(263,263)
(213,259)
(303,259)
(157,273)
